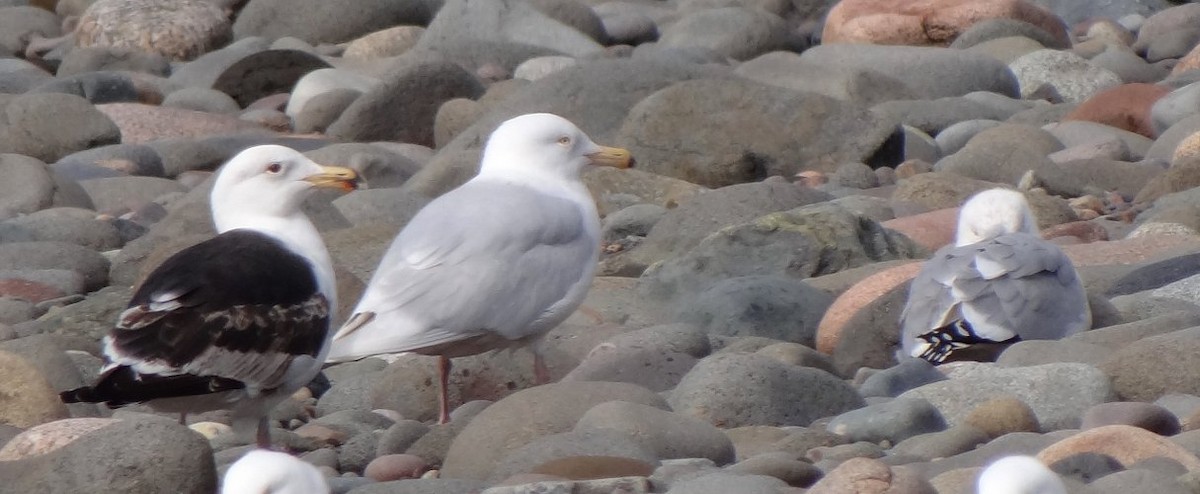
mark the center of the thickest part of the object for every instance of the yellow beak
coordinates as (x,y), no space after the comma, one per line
(614,157)
(336,177)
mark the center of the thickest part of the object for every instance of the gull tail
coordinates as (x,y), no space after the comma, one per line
(937,345)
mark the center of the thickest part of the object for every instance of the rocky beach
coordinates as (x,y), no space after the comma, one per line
(797,160)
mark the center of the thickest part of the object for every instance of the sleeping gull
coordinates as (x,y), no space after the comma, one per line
(1019,475)
(999,283)
(495,263)
(272,472)
(239,321)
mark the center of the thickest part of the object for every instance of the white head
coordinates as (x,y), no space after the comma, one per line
(1019,475)
(546,144)
(270,472)
(270,181)
(992,213)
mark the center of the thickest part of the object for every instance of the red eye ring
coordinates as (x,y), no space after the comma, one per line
(274,168)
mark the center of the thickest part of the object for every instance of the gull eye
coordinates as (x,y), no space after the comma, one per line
(274,168)
(564,140)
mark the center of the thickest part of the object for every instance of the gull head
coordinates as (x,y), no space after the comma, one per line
(271,181)
(548,145)
(992,213)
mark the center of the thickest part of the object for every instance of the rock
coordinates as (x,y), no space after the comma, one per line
(990,30)
(1147,416)
(635,220)
(931,72)
(558,447)
(763,131)
(847,83)
(760,305)
(1127,444)
(592,467)
(1071,76)
(718,482)
(865,476)
(809,241)
(28,186)
(730,390)
(399,437)
(667,435)
(1127,107)
(323,81)
(1136,379)
(202,99)
(894,421)
(357,452)
(48,126)
(942,444)
(1065,391)
(929,23)
(414,87)
(120,194)
(781,466)
(1086,467)
(997,162)
(730,32)
(1137,480)
(1003,415)
(261,73)
(101,87)
(181,31)
(30,400)
(98,58)
(56,255)
(461,22)
(309,20)
(50,436)
(421,486)
(891,382)
(527,415)
(387,42)
(156,456)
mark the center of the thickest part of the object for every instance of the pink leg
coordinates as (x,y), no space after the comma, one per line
(263,437)
(443,396)
(594,314)
(183,418)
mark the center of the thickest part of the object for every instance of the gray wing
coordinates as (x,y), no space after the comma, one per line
(1012,285)
(487,257)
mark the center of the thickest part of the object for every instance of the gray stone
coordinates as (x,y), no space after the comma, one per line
(120,194)
(733,32)
(847,83)
(27,186)
(1063,391)
(1129,67)
(414,87)
(97,58)
(731,390)
(422,486)
(894,420)
(805,242)
(506,22)
(1086,466)
(357,452)
(19,23)
(1071,76)
(48,126)
(202,99)
(588,442)
(895,380)
(759,305)
(95,87)
(636,220)
(527,415)
(941,444)
(1137,480)
(668,435)
(1175,106)
(123,159)
(1075,11)
(658,369)
(323,109)
(311,20)
(990,29)
(380,206)
(90,318)
(399,437)
(1148,368)
(719,132)
(933,116)
(76,226)
(57,255)
(722,482)
(157,456)
(1037,352)
(930,72)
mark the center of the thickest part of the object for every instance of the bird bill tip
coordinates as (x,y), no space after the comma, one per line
(614,157)
(337,177)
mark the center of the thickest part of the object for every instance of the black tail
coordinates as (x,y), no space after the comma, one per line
(940,343)
(122,386)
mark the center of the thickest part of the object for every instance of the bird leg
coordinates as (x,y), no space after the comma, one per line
(263,437)
(183,419)
(443,395)
(541,373)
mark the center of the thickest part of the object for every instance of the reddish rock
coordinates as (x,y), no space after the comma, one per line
(1125,443)
(29,291)
(932,230)
(1191,61)
(321,434)
(143,123)
(1125,107)
(50,436)
(395,467)
(1127,251)
(1085,231)
(594,467)
(912,167)
(928,22)
(829,331)
(869,476)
